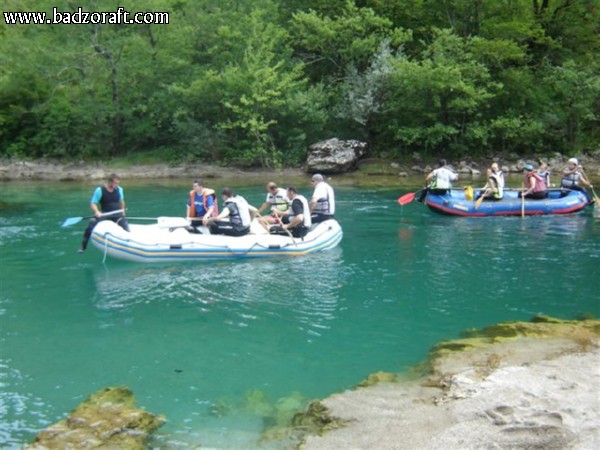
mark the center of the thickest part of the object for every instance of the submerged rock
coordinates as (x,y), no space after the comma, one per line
(107,419)
(316,419)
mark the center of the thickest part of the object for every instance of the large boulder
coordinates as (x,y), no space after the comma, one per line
(335,156)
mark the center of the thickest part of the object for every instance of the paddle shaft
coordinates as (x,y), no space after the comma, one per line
(523,202)
(480,199)
(286,230)
(142,218)
(73,220)
(596,199)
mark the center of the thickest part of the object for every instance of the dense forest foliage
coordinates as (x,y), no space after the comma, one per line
(255,82)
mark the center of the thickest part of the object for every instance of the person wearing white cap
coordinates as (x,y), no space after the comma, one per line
(322,203)
(573,177)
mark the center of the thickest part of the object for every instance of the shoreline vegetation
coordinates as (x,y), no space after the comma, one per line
(255,82)
(509,385)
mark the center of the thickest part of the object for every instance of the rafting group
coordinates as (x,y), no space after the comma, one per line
(536,196)
(295,225)
(289,213)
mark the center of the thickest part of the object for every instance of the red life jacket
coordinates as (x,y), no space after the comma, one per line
(205,193)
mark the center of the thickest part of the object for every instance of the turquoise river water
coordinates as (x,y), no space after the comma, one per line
(220,348)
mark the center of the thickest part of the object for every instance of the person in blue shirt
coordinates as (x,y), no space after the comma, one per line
(106,198)
(202,204)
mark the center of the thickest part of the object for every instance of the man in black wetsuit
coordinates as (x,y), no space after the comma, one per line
(105,199)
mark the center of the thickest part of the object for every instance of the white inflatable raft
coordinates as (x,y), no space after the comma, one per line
(169,240)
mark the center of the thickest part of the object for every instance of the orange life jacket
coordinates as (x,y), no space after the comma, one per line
(205,193)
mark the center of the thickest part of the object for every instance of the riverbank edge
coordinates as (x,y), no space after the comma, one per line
(394,171)
(510,385)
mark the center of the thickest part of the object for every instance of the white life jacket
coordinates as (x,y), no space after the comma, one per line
(241,212)
(305,211)
(326,201)
(499,179)
(279,200)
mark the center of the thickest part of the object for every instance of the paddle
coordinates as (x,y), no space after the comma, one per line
(596,198)
(523,202)
(480,199)
(262,220)
(286,230)
(73,220)
(407,198)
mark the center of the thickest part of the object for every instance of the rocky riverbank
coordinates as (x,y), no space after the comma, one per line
(513,385)
(510,386)
(395,171)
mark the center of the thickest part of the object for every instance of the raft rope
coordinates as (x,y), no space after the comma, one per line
(105,249)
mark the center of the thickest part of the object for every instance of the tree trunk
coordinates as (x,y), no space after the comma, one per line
(117,119)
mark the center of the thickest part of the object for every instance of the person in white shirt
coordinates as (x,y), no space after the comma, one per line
(440,180)
(322,203)
(277,202)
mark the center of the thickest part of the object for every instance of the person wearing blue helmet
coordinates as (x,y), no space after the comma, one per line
(534,186)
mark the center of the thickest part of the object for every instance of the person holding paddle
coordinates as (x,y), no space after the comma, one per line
(202,204)
(297,220)
(574,177)
(440,180)
(235,218)
(494,188)
(106,199)
(277,203)
(534,185)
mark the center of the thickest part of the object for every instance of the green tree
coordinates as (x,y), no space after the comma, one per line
(246,98)
(329,45)
(438,103)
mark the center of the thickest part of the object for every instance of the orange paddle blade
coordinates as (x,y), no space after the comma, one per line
(406,198)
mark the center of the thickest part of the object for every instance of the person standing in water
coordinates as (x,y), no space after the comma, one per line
(105,199)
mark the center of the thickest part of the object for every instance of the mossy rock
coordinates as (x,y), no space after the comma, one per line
(107,419)
(379,377)
(316,419)
(539,327)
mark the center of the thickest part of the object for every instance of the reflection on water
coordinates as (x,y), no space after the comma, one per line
(240,289)
(504,262)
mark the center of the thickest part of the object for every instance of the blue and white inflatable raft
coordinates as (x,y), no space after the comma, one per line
(455,203)
(168,240)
